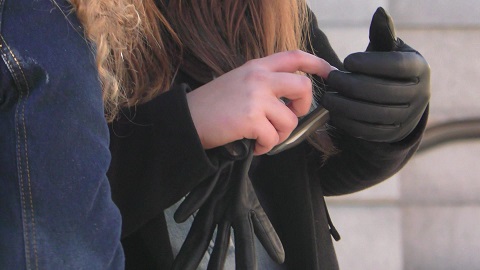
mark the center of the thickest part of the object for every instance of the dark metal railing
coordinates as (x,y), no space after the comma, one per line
(451,131)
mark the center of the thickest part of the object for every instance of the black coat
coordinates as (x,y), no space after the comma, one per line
(157,158)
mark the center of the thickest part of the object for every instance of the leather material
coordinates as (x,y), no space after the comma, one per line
(384,91)
(227,200)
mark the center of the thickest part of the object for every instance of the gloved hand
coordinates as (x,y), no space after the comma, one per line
(232,204)
(385,90)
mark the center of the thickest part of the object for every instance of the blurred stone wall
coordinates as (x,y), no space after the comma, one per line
(428,215)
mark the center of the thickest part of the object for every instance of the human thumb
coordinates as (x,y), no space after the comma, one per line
(382,32)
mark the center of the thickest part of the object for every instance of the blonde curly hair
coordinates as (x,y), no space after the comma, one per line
(128,36)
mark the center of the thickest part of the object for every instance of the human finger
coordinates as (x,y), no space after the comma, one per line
(296,88)
(293,61)
(373,89)
(367,131)
(265,136)
(379,114)
(402,65)
(282,119)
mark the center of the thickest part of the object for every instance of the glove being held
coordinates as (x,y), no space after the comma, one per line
(231,203)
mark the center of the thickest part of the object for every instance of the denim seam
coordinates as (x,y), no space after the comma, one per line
(1,13)
(23,93)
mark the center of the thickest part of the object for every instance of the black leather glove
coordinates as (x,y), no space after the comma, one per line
(231,203)
(384,91)
(208,217)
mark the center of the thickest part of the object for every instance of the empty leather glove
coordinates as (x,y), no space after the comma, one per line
(205,221)
(384,91)
(232,204)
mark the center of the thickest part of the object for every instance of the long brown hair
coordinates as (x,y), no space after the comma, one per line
(140,46)
(220,35)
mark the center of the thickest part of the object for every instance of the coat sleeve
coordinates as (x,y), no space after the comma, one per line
(320,46)
(157,157)
(359,164)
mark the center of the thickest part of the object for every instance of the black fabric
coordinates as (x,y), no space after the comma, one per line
(157,158)
(320,44)
(284,185)
(149,247)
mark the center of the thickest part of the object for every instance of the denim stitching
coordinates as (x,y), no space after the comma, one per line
(27,164)
(1,12)
(22,114)
(22,192)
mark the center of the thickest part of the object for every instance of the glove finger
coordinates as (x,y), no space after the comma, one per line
(371,113)
(197,197)
(245,256)
(400,65)
(368,131)
(219,254)
(382,32)
(196,243)
(267,235)
(372,89)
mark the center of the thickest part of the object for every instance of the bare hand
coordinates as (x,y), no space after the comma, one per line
(245,102)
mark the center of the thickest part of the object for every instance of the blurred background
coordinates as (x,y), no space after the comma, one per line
(428,215)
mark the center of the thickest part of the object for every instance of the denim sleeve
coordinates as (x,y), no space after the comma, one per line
(56,210)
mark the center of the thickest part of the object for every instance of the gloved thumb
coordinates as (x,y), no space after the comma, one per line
(382,32)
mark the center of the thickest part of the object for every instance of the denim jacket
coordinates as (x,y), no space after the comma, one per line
(56,210)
